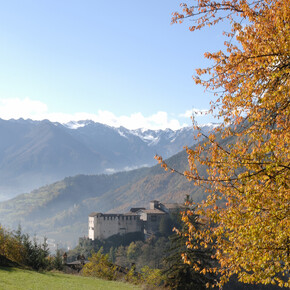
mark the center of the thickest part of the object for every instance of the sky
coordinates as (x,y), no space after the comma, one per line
(121,63)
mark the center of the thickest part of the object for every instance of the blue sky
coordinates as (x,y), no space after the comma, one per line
(116,62)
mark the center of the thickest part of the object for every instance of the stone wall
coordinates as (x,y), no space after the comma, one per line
(102,226)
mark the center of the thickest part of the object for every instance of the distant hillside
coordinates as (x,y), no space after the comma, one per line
(60,210)
(35,153)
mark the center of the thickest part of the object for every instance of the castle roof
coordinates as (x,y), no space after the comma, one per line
(93,214)
(153,211)
(135,209)
(130,213)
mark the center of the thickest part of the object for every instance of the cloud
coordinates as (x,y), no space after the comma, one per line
(32,109)
(21,108)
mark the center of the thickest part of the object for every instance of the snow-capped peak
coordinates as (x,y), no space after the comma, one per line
(77,124)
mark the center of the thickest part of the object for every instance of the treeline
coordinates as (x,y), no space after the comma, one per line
(158,261)
(154,261)
(20,249)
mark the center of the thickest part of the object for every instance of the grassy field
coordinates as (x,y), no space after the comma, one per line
(14,278)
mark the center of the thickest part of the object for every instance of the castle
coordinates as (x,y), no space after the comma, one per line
(102,226)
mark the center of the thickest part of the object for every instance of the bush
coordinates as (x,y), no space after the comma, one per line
(100,266)
(152,277)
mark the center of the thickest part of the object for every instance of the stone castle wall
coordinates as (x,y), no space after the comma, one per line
(102,226)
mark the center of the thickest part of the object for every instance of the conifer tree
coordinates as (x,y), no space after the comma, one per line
(180,275)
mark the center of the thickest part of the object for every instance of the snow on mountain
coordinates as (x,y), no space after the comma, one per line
(150,137)
(77,124)
(33,153)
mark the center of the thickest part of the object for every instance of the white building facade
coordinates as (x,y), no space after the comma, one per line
(102,226)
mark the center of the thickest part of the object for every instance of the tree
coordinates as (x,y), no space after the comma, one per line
(180,275)
(247,159)
(35,255)
(166,225)
(58,261)
(100,266)
(10,247)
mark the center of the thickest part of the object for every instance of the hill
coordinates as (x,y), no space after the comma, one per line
(35,153)
(14,278)
(60,210)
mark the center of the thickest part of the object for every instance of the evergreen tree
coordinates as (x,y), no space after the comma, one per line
(112,254)
(57,262)
(35,255)
(180,275)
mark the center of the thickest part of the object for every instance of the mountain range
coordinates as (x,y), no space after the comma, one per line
(60,210)
(36,153)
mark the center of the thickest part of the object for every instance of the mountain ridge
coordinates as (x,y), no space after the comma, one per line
(35,153)
(61,210)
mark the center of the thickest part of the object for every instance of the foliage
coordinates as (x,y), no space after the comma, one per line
(20,248)
(180,275)
(35,254)
(10,247)
(57,261)
(152,277)
(133,277)
(147,276)
(247,161)
(100,266)
(86,246)
(121,257)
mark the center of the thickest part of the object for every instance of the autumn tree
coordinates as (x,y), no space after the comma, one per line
(100,266)
(247,158)
(10,247)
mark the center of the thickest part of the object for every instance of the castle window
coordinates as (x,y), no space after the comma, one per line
(126,218)
(153,218)
(130,218)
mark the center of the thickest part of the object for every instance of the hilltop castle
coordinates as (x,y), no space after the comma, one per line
(102,226)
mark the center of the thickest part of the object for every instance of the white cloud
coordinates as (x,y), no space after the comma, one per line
(32,109)
(21,108)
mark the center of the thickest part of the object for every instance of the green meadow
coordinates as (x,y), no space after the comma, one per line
(14,278)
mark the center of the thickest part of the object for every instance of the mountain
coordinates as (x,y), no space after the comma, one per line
(35,153)
(60,210)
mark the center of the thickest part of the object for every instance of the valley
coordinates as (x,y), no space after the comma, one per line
(60,209)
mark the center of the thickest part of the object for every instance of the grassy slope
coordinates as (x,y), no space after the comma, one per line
(13,278)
